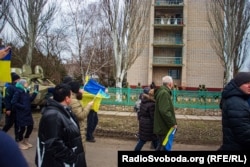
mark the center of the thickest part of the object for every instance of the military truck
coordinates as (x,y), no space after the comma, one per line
(35,80)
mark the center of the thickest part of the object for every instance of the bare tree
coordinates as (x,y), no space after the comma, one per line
(4,10)
(52,45)
(29,18)
(229,21)
(127,20)
(81,19)
(99,59)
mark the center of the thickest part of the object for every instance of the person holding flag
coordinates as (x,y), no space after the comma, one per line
(98,91)
(164,115)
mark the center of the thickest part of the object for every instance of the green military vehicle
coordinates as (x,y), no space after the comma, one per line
(36,81)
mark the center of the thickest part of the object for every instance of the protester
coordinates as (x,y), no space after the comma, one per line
(152,85)
(164,116)
(10,113)
(10,150)
(236,114)
(92,121)
(67,79)
(146,120)
(80,111)
(59,140)
(24,120)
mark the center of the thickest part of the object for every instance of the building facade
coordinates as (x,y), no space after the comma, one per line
(178,45)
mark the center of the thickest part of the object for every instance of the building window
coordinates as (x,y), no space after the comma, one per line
(174,73)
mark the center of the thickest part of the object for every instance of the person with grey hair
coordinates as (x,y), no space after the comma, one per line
(21,101)
(164,116)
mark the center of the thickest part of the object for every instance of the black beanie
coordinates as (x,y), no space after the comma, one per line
(14,76)
(75,86)
(67,79)
(242,78)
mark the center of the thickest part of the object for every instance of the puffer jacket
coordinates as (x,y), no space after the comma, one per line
(164,116)
(235,119)
(21,103)
(81,115)
(59,140)
(146,118)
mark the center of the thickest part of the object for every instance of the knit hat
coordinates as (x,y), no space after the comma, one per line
(242,78)
(67,79)
(14,76)
(75,86)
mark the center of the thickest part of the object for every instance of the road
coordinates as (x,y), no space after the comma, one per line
(104,151)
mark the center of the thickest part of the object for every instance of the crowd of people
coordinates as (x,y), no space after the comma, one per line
(64,144)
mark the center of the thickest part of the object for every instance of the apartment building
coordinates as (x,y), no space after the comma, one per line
(178,45)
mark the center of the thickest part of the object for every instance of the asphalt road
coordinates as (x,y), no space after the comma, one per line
(104,151)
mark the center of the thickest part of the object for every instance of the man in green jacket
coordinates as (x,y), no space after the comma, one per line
(164,116)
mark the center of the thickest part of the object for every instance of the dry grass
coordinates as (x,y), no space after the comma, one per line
(189,131)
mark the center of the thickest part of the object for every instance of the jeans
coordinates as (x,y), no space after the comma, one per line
(92,121)
(141,143)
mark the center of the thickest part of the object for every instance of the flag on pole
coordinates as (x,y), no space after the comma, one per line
(5,68)
(169,139)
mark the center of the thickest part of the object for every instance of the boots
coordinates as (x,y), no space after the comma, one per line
(26,143)
(22,146)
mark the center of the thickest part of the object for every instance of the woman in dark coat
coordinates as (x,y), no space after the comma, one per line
(24,120)
(146,121)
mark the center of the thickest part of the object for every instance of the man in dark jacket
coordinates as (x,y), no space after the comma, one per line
(10,114)
(236,114)
(59,138)
(164,116)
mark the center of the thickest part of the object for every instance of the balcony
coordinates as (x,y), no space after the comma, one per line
(167,61)
(168,23)
(168,42)
(169,3)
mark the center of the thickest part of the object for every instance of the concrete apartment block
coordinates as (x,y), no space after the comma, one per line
(178,44)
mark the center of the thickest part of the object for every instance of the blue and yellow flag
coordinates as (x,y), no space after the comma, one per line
(169,139)
(94,88)
(5,68)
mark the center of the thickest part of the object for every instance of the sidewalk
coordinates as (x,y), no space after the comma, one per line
(133,114)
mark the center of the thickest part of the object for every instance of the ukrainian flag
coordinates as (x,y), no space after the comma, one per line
(102,94)
(169,139)
(5,68)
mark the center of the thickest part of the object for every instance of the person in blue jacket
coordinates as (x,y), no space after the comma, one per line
(24,120)
(10,113)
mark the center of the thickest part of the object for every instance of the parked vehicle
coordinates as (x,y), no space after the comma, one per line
(36,81)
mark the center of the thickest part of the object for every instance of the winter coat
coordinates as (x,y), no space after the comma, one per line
(9,93)
(21,102)
(59,139)
(235,119)
(164,116)
(146,119)
(81,115)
